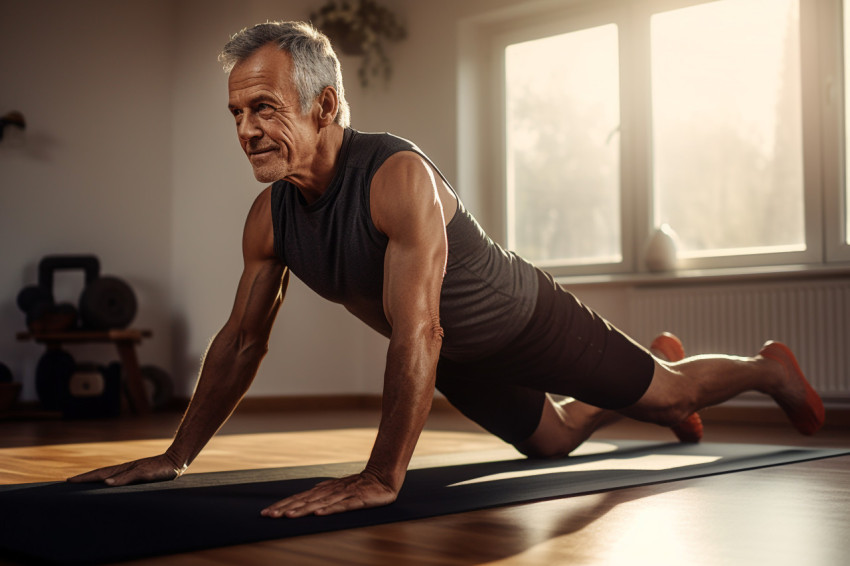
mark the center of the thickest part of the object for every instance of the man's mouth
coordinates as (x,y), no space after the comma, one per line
(261,151)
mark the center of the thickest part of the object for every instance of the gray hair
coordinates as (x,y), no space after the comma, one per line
(315,64)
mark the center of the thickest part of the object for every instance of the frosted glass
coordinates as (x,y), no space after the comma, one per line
(727,126)
(563,147)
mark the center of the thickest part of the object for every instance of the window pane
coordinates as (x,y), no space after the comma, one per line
(727,126)
(563,166)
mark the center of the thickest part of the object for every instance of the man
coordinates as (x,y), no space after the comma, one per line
(368,221)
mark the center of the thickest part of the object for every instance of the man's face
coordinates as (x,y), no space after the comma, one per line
(274,134)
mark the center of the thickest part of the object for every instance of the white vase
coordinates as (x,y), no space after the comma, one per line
(660,254)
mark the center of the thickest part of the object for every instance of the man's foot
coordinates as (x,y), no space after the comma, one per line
(803,405)
(669,347)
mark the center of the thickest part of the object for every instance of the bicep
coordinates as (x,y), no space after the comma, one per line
(409,211)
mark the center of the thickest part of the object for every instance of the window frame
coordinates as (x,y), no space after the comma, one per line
(822,95)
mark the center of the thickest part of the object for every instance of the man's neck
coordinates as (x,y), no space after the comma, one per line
(313,184)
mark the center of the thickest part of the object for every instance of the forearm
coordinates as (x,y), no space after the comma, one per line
(226,374)
(408,393)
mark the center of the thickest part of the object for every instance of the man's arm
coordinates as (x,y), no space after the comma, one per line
(406,206)
(231,361)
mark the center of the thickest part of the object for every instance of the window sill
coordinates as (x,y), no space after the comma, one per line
(702,276)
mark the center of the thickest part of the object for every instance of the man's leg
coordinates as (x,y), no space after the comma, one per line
(565,426)
(669,348)
(682,388)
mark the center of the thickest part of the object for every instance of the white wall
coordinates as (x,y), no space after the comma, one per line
(133,156)
(316,347)
(92,79)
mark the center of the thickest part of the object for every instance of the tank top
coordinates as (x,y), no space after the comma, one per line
(487,296)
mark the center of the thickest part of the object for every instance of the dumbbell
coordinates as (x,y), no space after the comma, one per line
(93,391)
(43,315)
(105,303)
(77,390)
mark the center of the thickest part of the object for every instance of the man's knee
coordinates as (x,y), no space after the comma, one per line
(542,450)
(551,437)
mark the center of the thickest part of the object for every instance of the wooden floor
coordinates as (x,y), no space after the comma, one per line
(796,514)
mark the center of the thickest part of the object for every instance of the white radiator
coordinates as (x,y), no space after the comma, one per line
(811,317)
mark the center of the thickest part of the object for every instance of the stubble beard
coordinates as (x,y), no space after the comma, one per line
(271,170)
(270,174)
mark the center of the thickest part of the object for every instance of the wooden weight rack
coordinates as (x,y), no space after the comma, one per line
(125,341)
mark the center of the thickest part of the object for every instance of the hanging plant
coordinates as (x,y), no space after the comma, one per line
(357,28)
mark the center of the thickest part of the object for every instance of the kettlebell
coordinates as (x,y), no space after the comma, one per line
(105,302)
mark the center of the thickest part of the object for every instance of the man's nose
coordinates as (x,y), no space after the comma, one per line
(247,128)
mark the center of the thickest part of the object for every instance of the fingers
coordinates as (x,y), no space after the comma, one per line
(316,501)
(332,496)
(139,471)
(136,475)
(95,475)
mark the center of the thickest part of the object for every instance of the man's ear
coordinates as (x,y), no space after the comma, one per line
(328,102)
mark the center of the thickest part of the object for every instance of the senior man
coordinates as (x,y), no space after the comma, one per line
(368,221)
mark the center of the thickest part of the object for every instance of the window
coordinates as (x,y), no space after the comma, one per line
(727,128)
(563,151)
(614,118)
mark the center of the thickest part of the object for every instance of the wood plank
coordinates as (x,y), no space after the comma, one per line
(228,452)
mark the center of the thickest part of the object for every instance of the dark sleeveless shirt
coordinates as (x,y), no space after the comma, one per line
(488,294)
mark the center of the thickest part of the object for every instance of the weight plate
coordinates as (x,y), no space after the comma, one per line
(106,303)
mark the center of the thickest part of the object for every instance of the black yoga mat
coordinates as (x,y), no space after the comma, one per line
(92,523)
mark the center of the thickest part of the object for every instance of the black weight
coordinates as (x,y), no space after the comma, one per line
(5,374)
(33,296)
(52,375)
(49,264)
(93,392)
(158,385)
(37,301)
(54,318)
(86,381)
(106,303)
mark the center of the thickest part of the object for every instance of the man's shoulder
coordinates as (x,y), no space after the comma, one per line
(260,212)
(379,144)
(258,234)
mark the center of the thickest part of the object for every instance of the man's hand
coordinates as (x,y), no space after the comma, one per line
(335,496)
(146,470)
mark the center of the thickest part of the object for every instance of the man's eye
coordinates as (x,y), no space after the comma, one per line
(266,110)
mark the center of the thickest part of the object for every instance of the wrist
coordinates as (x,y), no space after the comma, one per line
(390,478)
(176,459)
